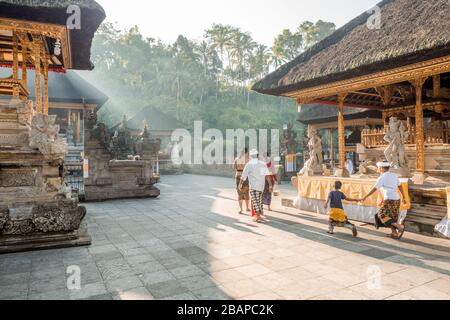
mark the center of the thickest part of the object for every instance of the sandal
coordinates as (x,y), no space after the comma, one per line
(400,235)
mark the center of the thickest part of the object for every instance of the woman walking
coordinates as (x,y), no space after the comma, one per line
(242,191)
(267,195)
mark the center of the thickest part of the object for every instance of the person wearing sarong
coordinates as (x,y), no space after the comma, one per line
(388,215)
(267,195)
(257,174)
(244,192)
(338,218)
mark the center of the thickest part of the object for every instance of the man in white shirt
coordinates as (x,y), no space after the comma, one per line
(257,173)
(390,185)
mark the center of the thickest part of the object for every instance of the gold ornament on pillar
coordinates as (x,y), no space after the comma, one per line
(420,133)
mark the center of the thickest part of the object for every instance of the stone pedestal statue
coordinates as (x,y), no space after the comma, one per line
(36,211)
(120,166)
(395,153)
(314,165)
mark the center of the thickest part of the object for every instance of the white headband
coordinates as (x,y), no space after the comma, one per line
(383,164)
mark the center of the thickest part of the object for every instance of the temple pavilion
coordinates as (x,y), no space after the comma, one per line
(35,35)
(400,67)
(36,209)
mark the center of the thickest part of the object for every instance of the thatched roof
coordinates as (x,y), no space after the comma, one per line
(65,87)
(411,31)
(55,12)
(314,114)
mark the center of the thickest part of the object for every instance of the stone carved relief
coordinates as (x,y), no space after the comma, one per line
(3,217)
(44,136)
(17,178)
(25,113)
(59,216)
(315,162)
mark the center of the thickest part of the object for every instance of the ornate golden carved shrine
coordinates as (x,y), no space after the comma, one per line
(25,45)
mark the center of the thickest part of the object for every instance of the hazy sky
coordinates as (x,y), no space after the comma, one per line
(166,19)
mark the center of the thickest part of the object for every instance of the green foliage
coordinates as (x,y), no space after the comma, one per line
(206,80)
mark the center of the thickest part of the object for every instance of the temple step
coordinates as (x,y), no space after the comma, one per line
(437,212)
(422,218)
(444,163)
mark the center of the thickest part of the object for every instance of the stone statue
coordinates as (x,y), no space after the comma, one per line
(289,141)
(114,146)
(315,162)
(146,147)
(395,153)
(124,141)
(91,119)
(44,136)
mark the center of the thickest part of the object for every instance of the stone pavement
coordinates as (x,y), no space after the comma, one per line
(192,244)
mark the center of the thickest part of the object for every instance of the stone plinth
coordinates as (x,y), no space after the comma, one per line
(35,210)
(119,179)
(123,179)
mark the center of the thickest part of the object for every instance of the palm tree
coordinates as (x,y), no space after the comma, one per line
(287,46)
(241,49)
(260,62)
(219,37)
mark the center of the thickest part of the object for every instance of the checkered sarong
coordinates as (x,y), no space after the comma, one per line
(257,201)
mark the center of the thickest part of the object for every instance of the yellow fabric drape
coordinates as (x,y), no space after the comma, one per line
(319,187)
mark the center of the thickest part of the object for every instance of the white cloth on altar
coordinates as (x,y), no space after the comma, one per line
(444,227)
(349,166)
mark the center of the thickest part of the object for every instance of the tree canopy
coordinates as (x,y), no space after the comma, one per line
(206,79)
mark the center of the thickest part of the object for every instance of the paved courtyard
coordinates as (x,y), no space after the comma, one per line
(192,244)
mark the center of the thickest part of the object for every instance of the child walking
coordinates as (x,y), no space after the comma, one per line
(337,214)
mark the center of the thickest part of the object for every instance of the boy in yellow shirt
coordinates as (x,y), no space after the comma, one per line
(337,213)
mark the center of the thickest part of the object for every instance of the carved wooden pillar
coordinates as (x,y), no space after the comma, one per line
(45,110)
(331,149)
(341,131)
(37,65)
(385,120)
(15,66)
(436,86)
(24,69)
(420,134)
